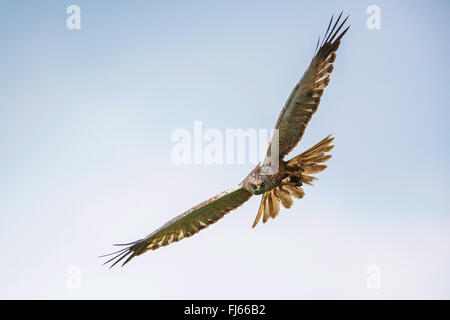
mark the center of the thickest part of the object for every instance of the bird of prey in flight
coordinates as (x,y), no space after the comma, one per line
(276,187)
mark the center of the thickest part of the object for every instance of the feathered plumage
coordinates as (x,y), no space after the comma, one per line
(278,188)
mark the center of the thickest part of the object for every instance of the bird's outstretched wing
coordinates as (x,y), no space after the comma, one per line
(186,224)
(305,97)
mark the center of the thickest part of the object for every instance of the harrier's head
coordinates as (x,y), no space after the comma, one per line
(257,183)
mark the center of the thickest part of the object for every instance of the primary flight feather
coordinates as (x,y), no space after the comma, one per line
(277,188)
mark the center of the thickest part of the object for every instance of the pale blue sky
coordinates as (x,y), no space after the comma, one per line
(85,123)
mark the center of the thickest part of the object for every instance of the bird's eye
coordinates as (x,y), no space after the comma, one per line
(259,186)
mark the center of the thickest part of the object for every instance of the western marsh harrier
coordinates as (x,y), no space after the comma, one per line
(281,185)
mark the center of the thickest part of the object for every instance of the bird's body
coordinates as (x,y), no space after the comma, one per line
(277,186)
(257,182)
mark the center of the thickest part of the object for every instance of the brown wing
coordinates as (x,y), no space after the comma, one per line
(186,224)
(305,98)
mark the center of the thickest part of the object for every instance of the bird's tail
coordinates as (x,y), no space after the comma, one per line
(300,170)
(311,161)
